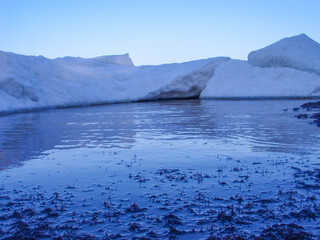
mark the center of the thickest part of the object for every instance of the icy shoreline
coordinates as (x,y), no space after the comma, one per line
(284,70)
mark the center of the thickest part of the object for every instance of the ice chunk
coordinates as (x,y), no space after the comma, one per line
(299,52)
(238,79)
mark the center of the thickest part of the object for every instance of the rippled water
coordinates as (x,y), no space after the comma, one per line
(109,157)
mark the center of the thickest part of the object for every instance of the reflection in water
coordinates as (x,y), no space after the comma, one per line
(257,125)
(104,170)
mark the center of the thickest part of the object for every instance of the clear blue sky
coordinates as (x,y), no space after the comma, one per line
(152,31)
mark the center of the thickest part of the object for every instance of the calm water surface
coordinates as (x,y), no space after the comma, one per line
(161,156)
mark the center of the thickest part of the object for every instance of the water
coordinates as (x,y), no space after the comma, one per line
(186,169)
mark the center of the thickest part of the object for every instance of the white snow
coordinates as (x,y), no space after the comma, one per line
(239,79)
(299,52)
(287,68)
(29,82)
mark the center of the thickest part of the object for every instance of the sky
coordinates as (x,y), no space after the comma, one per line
(152,31)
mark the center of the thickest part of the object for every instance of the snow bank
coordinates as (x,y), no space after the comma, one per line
(29,82)
(238,79)
(299,52)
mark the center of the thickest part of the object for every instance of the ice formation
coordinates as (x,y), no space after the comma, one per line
(29,82)
(239,79)
(299,52)
(287,68)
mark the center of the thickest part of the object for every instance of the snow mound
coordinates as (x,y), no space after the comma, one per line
(29,82)
(238,79)
(299,52)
